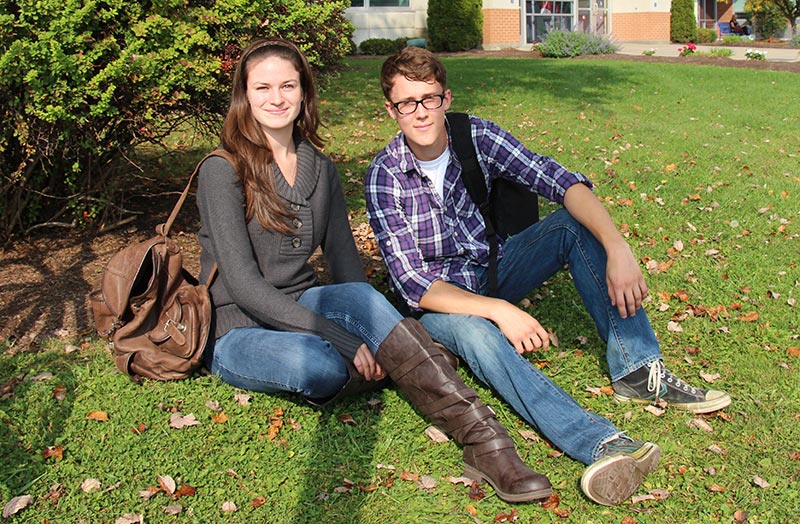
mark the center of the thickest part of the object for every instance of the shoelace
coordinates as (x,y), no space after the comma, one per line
(659,372)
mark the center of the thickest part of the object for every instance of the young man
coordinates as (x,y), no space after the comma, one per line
(433,241)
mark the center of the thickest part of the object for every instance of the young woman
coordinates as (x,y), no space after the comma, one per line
(265,209)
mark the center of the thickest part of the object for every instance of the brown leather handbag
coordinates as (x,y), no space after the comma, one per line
(155,315)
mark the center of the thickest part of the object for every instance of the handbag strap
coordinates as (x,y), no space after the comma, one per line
(473,178)
(164,228)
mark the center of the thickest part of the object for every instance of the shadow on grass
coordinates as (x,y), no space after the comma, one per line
(38,398)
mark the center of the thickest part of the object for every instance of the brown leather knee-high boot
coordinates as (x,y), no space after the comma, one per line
(423,372)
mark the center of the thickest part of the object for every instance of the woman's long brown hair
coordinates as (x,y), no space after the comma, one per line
(243,137)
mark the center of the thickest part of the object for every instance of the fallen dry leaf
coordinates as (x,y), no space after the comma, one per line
(258,501)
(636,499)
(407,475)
(713,448)
(274,427)
(167,483)
(53,451)
(655,410)
(561,513)
(242,399)
(436,434)
(752,316)
(699,423)
(794,351)
(471,510)
(716,488)
(178,421)
(529,435)
(89,485)
(185,491)
(761,483)
(100,416)
(213,405)
(59,393)
(427,483)
(461,480)
(475,491)
(148,493)
(130,518)
(16,505)
(708,377)
(173,509)
(346,418)
(219,418)
(507,517)
(660,493)
(740,517)
(628,519)
(674,327)
(138,430)
(228,507)
(552,502)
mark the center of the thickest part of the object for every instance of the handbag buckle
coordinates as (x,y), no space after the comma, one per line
(180,326)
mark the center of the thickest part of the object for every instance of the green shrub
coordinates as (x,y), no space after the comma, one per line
(85,81)
(683,26)
(796,40)
(732,39)
(717,52)
(769,22)
(562,44)
(455,25)
(706,36)
(382,46)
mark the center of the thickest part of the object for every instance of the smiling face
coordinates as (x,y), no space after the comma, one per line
(424,129)
(274,94)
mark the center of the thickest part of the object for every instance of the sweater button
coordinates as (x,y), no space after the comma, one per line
(296,242)
(297,223)
(295,207)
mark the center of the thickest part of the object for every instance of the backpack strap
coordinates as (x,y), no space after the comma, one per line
(163,229)
(472,176)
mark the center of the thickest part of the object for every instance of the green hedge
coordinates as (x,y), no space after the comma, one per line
(455,25)
(563,44)
(683,25)
(85,81)
(382,46)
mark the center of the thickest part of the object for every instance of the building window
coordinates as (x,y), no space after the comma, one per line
(379,3)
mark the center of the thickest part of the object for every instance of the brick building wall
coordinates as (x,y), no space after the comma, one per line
(501,28)
(641,27)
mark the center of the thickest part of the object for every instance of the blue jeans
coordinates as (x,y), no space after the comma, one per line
(260,359)
(530,258)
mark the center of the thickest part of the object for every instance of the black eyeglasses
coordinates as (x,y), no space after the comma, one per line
(406,107)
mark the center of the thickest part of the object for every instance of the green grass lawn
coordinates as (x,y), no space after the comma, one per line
(699,166)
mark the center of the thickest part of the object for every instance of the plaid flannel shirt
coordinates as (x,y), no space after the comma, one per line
(424,238)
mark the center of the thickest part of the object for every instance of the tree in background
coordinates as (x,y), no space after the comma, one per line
(86,81)
(767,10)
(455,25)
(683,25)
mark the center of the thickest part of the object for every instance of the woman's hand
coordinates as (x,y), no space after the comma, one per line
(366,365)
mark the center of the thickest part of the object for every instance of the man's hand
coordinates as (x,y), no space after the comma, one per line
(522,330)
(626,285)
(366,365)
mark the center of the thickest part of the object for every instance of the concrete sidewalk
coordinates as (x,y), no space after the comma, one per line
(773,54)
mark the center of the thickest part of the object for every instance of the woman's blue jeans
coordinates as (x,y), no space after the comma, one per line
(260,359)
(530,258)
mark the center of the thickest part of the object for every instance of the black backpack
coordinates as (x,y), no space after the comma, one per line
(507,209)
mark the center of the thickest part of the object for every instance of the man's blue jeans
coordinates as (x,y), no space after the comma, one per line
(260,359)
(530,258)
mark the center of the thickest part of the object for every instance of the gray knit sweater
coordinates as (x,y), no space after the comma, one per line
(262,273)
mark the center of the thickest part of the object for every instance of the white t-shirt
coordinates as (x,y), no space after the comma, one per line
(434,170)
